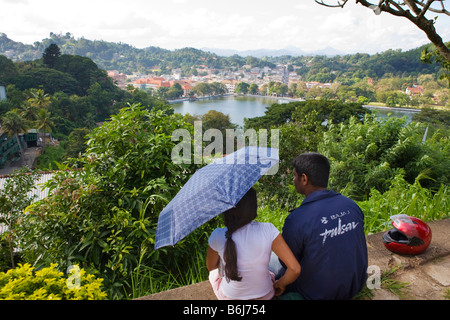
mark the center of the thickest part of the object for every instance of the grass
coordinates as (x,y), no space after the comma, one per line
(404,198)
(447,294)
(387,282)
(400,289)
(146,280)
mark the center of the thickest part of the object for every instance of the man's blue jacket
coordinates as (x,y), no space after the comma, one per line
(326,234)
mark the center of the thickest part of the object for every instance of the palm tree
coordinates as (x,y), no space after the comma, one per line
(39,99)
(44,122)
(13,124)
(28,111)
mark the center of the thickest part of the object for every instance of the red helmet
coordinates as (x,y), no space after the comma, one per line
(410,235)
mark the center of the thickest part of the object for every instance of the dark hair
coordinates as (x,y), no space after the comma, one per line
(315,166)
(235,218)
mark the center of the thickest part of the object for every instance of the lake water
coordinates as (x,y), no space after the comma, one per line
(238,107)
(241,107)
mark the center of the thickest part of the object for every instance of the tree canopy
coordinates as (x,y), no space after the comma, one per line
(51,55)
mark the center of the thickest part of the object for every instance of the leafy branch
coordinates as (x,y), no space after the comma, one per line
(413,10)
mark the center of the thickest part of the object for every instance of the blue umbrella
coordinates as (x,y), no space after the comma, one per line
(212,190)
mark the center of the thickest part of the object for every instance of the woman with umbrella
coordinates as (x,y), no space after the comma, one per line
(240,255)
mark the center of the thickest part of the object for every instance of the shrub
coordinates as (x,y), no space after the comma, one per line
(370,154)
(404,198)
(25,283)
(104,215)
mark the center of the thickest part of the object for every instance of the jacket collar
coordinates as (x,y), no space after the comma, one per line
(319,195)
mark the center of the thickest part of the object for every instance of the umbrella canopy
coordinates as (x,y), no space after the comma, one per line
(212,190)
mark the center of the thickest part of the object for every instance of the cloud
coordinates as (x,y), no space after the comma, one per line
(234,24)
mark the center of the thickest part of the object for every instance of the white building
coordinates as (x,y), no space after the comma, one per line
(2,92)
(38,193)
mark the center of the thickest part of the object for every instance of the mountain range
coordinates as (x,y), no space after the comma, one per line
(288,51)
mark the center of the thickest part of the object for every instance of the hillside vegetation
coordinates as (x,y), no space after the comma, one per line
(128,59)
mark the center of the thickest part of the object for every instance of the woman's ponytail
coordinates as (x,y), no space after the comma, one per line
(235,218)
(230,257)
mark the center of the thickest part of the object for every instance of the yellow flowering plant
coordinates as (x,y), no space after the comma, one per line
(26,283)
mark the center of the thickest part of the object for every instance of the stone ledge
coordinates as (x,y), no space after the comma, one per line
(378,255)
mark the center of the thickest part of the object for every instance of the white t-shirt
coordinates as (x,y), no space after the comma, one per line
(253,246)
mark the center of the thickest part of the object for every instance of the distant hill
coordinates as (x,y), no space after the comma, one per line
(325,65)
(110,55)
(288,51)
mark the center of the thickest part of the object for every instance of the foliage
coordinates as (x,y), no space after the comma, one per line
(48,160)
(147,279)
(329,111)
(7,69)
(14,199)
(275,115)
(387,281)
(51,55)
(76,143)
(404,198)
(209,89)
(242,87)
(104,214)
(13,124)
(274,88)
(325,110)
(26,283)
(110,56)
(435,56)
(82,69)
(439,118)
(50,80)
(294,138)
(368,155)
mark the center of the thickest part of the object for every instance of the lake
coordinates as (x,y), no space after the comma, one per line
(240,107)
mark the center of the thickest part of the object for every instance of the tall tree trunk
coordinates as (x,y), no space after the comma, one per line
(22,155)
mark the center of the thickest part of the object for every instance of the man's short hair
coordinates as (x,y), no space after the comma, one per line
(316,167)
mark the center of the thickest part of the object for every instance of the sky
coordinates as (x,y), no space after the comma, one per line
(225,24)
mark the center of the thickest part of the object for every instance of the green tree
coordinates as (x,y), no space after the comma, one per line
(202,89)
(175,91)
(51,55)
(278,191)
(242,87)
(370,154)
(82,69)
(7,69)
(50,80)
(253,89)
(433,116)
(44,122)
(101,100)
(218,88)
(76,143)
(14,199)
(28,111)
(105,213)
(275,115)
(328,111)
(162,92)
(216,120)
(14,124)
(39,99)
